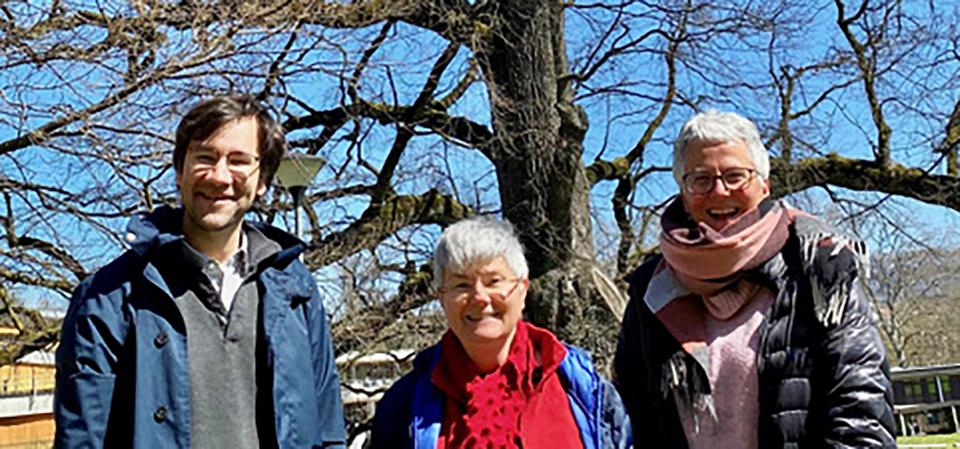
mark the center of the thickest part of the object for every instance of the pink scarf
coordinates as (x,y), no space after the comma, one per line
(714,324)
(706,261)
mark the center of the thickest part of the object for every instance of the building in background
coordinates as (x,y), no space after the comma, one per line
(926,399)
(26,402)
(363,380)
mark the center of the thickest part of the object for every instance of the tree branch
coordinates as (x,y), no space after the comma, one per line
(62,285)
(867,66)
(380,221)
(863,175)
(460,129)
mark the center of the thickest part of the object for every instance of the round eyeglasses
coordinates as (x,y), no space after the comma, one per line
(240,165)
(495,287)
(733,179)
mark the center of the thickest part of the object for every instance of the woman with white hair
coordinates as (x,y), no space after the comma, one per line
(751,330)
(494,380)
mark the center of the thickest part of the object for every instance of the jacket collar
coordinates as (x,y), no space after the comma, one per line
(148,231)
(427,359)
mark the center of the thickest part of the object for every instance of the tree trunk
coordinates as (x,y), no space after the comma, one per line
(537,152)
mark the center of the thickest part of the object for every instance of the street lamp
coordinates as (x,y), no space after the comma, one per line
(295,173)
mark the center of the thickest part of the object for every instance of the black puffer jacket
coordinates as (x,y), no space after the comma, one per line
(823,375)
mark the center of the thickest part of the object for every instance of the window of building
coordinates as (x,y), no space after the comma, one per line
(913,390)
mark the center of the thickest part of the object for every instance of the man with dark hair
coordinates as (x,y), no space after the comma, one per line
(209,332)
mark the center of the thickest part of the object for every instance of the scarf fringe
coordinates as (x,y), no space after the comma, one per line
(690,388)
(830,298)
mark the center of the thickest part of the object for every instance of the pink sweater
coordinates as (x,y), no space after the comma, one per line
(732,349)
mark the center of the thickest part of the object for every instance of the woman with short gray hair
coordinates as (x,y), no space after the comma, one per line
(494,380)
(751,330)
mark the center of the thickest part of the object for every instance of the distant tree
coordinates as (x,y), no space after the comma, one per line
(28,330)
(914,289)
(937,341)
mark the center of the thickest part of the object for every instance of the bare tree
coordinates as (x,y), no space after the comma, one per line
(913,291)
(32,331)
(429,111)
(936,341)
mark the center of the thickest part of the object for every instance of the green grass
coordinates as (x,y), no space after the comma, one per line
(930,439)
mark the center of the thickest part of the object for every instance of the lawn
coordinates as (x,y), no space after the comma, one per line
(930,439)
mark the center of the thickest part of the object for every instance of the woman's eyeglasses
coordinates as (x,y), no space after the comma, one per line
(733,179)
(495,287)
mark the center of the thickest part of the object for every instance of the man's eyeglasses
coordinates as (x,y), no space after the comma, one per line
(241,165)
(700,183)
(498,288)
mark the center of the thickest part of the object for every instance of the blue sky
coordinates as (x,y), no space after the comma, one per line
(713,76)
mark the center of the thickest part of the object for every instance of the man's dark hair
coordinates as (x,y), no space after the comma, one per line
(207,117)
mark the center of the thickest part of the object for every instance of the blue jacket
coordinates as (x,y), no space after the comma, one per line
(122,374)
(411,411)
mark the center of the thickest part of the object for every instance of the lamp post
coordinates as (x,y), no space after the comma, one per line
(295,173)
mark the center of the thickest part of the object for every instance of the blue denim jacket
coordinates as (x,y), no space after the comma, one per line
(122,375)
(411,412)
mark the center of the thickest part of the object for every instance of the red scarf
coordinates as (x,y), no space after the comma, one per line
(491,411)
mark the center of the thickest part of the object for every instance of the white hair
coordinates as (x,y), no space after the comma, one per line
(717,126)
(475,240)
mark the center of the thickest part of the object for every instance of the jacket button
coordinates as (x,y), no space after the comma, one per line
(161,339)
(160,415)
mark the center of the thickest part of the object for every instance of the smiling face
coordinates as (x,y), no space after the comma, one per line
(719,207)
(483,304)
(215,199)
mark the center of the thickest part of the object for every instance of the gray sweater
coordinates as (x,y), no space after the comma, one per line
(222,345)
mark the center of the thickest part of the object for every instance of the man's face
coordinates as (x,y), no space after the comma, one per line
(220,178)
(483,303)
(721,206)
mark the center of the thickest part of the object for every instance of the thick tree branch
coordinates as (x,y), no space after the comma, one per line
(383,186)
(786,90)
(380,221)
(433,80)
(863,175)
(273,73)
(457,128)
(375,45)
(620,166)
(670,58)
(461,88)
(951,141)
(42,133)
(608,170)
(449,18)
(9,306)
